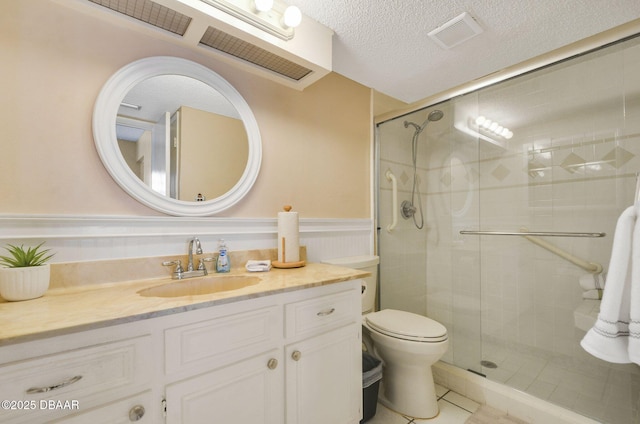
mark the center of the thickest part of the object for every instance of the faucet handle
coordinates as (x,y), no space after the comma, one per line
(177,263)
(202,261)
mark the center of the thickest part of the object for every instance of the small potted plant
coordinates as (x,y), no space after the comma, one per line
(24,274)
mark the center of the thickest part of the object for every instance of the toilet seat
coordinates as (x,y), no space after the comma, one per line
(406,326)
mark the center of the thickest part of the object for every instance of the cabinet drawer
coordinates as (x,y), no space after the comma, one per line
(322,313)
(77,379)
(139,406)
(205,345)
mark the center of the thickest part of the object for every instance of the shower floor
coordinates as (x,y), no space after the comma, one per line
(609,393)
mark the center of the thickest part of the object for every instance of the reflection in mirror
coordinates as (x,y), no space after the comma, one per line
(181,137)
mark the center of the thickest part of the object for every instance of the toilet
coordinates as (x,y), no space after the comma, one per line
(408,344)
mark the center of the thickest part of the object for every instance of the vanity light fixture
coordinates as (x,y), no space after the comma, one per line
(271,16)
(492,127)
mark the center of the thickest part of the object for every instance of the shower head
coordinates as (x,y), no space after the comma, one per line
(434,115)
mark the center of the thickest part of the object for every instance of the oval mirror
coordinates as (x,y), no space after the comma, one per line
(177,136)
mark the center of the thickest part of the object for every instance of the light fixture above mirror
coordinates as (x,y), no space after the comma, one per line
(273,17)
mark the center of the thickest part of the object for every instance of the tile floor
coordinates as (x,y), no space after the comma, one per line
(454,409)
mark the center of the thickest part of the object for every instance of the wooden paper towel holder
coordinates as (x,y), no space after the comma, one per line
(284,263)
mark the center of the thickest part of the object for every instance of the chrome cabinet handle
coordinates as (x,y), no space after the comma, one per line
(136,413)
(296,355)
(65,383)
(272,364)
(326,312)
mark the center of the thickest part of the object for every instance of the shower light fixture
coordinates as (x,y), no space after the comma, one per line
(271,16)
(493,127)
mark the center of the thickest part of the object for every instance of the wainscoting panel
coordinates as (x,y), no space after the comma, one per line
(90,238)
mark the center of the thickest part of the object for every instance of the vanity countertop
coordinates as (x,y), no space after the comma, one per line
(66,310)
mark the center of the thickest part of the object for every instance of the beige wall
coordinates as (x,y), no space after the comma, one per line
(316,143)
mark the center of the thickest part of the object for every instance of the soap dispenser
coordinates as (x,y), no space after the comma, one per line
(223,264)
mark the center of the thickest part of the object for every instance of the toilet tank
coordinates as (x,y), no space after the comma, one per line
(368,263)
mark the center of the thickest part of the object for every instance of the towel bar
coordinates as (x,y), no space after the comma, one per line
(532,233)
(592,267)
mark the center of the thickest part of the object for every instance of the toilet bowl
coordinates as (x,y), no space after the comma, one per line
(407,343)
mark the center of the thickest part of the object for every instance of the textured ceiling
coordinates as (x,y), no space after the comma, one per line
(384,44)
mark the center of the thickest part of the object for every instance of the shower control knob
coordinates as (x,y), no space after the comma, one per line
(136,413)
(296,355)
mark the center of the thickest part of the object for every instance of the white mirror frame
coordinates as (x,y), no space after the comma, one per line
(104,133)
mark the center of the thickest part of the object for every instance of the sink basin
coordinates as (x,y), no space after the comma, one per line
(200,285)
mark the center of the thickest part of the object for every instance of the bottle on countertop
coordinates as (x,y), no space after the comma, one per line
(223,264)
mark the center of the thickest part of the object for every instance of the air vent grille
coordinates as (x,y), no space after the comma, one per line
(456,31)
(149,12)
(236,47)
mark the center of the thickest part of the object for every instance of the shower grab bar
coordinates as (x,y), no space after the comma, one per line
(591,267)
(394,199)
(532,233)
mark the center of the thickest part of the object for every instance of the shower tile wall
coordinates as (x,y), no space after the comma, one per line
(402,250)
(571,166)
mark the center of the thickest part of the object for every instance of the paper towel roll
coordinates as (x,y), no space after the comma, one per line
(288,236)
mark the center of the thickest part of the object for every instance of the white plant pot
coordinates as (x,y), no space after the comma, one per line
(24,283)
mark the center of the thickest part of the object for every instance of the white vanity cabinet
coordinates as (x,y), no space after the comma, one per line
(323,359)
(90,374)
(293,358)
(223,364)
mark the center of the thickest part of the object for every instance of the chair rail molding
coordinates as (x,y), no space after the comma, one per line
(80,238)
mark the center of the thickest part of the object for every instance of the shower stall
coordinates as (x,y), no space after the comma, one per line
(519,185)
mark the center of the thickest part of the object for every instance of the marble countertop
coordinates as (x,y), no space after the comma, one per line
(64,310)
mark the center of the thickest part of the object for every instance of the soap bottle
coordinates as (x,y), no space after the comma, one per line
(223,264)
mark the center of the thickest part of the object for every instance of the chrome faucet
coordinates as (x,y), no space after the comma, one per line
(179,273)
(198,252)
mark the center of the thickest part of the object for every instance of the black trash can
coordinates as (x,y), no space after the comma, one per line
(371,376)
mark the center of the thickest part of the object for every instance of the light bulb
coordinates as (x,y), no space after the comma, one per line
(480,120)
(292,17)
(263,5)
(493,126)
(486,123)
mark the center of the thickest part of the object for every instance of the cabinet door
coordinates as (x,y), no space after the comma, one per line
(324,378)
(249,391)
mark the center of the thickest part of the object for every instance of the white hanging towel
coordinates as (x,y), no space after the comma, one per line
(610,339)
(634,299)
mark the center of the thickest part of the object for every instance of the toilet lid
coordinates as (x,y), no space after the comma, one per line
(407,326)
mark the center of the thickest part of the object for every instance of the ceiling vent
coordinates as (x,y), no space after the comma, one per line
(296,63)
(150,13)
(456,31)
(248,52)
